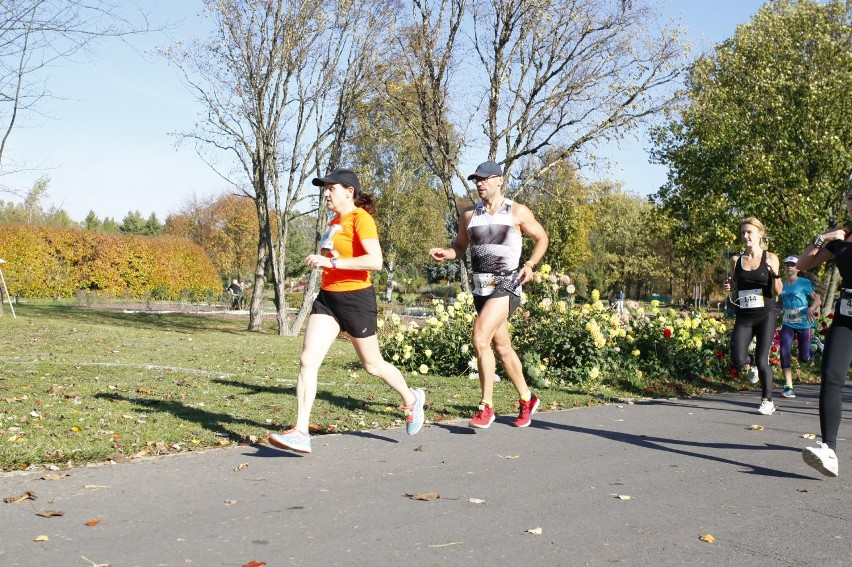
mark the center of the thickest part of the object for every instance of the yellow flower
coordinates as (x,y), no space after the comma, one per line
(380,323)
(428,353)
(423,369)
(636,352)
(594,373)
(596,295)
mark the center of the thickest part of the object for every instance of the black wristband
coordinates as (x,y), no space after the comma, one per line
(819,241)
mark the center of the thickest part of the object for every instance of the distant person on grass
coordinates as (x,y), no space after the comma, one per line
(236,291)
(349,250)
(799,309)
(493,229)
(754,284)
(837,354)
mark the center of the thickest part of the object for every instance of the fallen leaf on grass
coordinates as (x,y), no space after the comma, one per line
(240,467)
(755,428)
(534,531)
(49,514)
(808,436)
(92,523)
(476,501)
(28,495)
(513,457)
(42,538)
(427,496)
(707,538)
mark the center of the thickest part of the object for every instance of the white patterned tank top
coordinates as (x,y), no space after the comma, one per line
(495,250)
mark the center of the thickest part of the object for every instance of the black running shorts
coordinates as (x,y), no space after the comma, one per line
(514,300)
(355,311)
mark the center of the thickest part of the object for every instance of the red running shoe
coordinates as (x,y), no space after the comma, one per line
(483,418)
(527,410)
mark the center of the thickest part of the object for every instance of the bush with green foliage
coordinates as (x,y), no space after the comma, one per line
(562,342)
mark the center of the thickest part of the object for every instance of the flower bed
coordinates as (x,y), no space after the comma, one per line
(564,343)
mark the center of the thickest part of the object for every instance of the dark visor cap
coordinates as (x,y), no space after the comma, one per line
(343,176)
(486,169)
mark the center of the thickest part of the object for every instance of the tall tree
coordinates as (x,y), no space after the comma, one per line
(418,87)
(566,74)
(387,154)
(269,79)
(766,132)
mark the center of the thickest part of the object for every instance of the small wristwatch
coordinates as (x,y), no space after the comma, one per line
(819,241)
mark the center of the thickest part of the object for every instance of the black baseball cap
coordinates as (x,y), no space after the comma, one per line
(342,175)
(486,169)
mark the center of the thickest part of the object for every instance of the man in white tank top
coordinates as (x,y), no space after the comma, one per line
(493,229)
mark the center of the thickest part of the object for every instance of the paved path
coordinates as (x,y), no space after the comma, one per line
(690,467)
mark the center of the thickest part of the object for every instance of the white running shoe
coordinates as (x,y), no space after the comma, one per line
(822,458)
(753,376)
(767,407)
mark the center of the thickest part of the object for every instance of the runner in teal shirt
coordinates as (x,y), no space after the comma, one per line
(800,305)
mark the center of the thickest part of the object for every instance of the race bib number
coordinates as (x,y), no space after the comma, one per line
(750,298)
(327,239)
(483,284)
(846,307)
(793,316)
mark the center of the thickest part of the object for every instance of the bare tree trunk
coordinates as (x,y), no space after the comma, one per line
(256,308)
(830,282)
(311,291)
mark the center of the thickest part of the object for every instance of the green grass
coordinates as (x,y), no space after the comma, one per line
(82,385)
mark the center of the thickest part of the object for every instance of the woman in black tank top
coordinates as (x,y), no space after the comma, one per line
(755,283)
(837,357)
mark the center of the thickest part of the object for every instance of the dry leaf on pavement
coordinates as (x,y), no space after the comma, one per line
(707,538)
(755,428)
(240,467)
(42,538)
(28,495)
(622,496)
(91,523)
(424,496)
(808,436)
(513,457)
(476,501)
(55,476)
(255,564)
(534,531)
(49,513)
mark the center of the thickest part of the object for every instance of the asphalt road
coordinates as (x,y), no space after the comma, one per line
(628,484)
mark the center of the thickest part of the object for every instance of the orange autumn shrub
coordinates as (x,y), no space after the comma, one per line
(43,261)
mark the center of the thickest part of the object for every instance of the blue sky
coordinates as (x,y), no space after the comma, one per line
(106,143)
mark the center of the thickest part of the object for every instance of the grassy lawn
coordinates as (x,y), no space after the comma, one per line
(81,385)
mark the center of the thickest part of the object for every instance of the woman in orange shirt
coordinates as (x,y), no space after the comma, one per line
(349,251)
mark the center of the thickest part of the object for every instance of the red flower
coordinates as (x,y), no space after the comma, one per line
(667,333)
(831,316)
(733,372)
(720,355)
